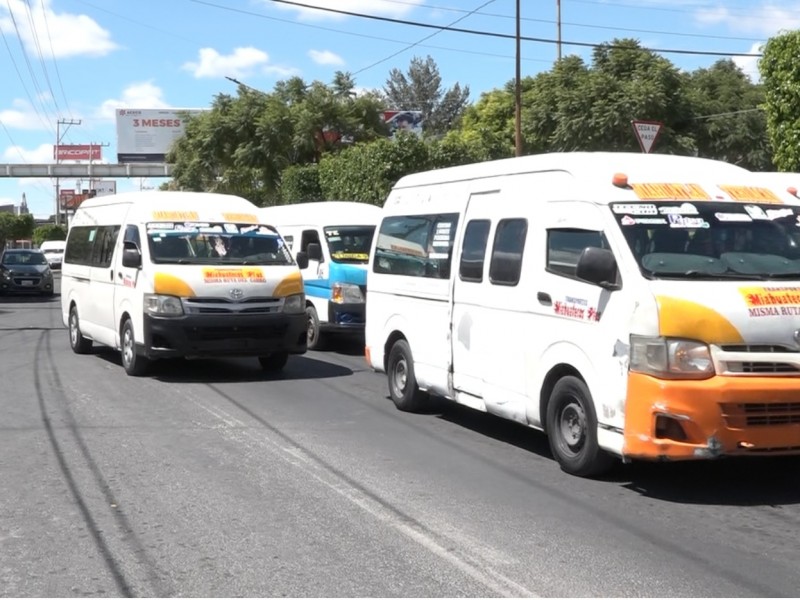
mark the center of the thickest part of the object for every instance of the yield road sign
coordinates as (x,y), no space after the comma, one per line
(647,133)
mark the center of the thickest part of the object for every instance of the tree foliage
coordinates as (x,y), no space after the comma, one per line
(15,227)
(421,89)
(300,183)
(45,233)
(780,72)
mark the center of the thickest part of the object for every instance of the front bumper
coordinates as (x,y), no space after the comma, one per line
(35,284)
(223,335)
(721,416)
(346,316)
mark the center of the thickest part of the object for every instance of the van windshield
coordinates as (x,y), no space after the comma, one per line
(216,243)
(712,240)
(350,243)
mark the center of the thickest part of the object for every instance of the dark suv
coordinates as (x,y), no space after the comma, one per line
(25,271)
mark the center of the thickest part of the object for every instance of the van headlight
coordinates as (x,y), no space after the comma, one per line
(162,306)
(294,304)
(346,293)
(670,358)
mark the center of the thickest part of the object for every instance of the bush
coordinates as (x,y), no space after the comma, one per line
(300,183)
(46,233)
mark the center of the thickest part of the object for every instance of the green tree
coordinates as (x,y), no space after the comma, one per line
(490,122)
(780,73)
(421,89)
(49,232)
(729,123)
(300,183)
(15,227)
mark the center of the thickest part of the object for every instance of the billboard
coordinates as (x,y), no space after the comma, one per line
(410,120)
(104,187)
(78,152)
(145,135)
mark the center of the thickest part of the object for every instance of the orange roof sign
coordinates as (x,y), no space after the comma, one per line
(669,191)
(746,193)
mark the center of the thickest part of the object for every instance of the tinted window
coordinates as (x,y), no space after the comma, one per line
(418,245)
(79,245)
(564,248)
(103,250)
(473,250)
(509,244)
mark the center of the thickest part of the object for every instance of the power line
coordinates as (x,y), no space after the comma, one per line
(37,44)
(55,62)
(376,63)
(742,12)
(477,32)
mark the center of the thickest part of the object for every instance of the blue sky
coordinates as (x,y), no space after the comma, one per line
(75,59)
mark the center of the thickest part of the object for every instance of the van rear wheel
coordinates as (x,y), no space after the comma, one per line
(314,339)
(78,343)
(572,429)
(133,364)
(403,388)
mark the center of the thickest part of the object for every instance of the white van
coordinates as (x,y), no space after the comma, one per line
(54,252)
(180,274)
(336,237)
(629,305)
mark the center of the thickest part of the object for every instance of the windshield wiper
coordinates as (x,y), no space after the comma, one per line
(783,275)
(694,274)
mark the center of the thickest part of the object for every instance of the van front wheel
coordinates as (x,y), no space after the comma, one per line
(133,364)
(314,337)
(403,388)
(78,343)
(572,429)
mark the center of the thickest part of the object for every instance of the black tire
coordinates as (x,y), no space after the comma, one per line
(314,338)
(133,363)
(403,388)
(572,429)
(78,343)
(273,363)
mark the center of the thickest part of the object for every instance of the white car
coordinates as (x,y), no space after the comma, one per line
(53,252)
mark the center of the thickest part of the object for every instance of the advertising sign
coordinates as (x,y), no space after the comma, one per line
(104,187)
(409,120)
(145,135)
(77,152)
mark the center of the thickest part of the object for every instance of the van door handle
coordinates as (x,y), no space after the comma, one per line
(111,275)
(544,298)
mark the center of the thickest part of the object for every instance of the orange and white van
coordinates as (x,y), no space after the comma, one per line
(629,305)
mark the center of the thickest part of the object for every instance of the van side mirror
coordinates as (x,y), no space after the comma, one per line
(131,256)
(598,266)
(302,260)
(314,251)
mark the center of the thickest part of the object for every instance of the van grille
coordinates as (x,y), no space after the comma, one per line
(762,367)
(761,414)
(224,306)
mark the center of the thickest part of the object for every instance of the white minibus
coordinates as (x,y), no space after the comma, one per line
(336,237)
(628,305)
(180,274)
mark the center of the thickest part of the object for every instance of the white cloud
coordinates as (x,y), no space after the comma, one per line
(17,154)
(765,19)
(241,63)
(137,95)
(57,34)
(325,57)
(280,71)
(749,64)
(22,116)
(386,8)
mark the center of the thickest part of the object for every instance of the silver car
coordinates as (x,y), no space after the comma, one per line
(25,271)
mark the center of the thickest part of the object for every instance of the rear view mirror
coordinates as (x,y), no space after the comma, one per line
(314,252)
(302,259)
(598,266)
(131,256)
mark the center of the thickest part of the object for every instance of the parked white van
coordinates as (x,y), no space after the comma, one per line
(629,305)
(54,252)
(336,237)
(180,274)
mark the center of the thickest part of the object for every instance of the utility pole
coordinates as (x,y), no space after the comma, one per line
(59,136)
(558,21)
(518,94)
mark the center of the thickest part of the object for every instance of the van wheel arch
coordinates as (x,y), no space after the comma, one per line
(555,374)
(387,347)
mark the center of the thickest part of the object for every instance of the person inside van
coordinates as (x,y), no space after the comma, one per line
(170,247)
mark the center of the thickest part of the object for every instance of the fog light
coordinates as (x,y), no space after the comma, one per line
(670,428)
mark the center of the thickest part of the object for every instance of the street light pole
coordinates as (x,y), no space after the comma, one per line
(518,94)
(59,136)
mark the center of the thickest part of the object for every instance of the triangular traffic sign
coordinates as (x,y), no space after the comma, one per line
(647,133)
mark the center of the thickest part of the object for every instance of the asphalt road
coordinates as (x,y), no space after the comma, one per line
(210,479)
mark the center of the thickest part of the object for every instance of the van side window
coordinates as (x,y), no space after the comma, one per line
(416,245)
(79,245)
(104,243)
(564,247)
(473,250)
(509,245)
(132,235)
(289,239)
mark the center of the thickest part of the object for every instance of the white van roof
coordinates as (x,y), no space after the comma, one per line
(332,212)
(594,172)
